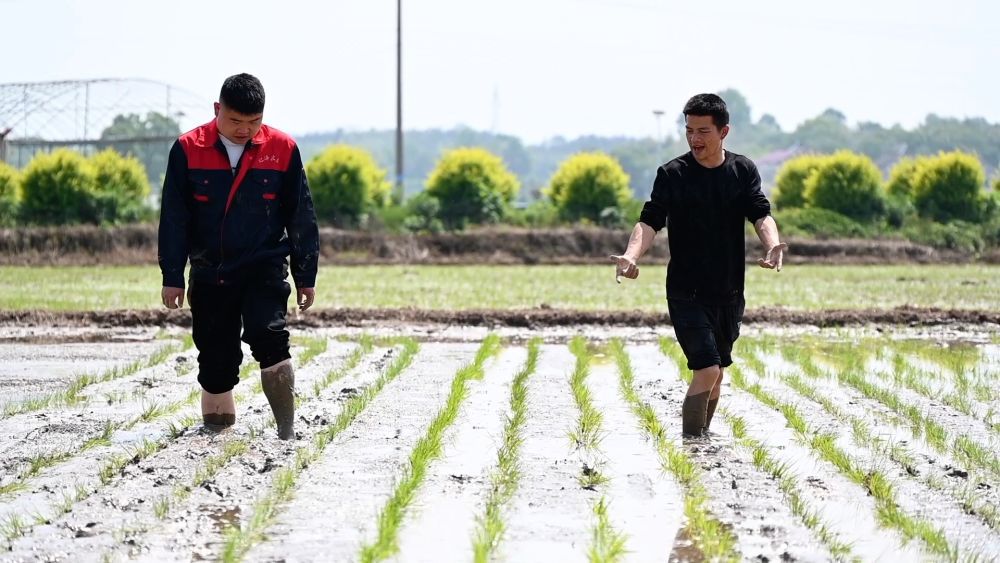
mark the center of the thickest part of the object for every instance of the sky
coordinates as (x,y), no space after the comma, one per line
(531,68)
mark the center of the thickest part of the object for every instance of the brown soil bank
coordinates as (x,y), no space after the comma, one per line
(528,318)
(137,245)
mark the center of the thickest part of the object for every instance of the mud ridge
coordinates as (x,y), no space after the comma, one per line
(522,318)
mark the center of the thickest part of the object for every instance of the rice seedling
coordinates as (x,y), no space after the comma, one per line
(713,538)
(239,539)
(607,545)
(427,449)
(587,432)
(507,474)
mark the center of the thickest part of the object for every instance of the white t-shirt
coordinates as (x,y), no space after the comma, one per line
(235,151)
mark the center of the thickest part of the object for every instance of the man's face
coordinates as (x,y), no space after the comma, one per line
(703,137)
(235,126)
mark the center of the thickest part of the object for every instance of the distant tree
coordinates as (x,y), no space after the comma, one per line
(588,185)
(346,184)
(473,186)
(739,109)
(153,155)
(790,182)
(949,187)
(10,194)
(640,159)
(826,133)
(847,183)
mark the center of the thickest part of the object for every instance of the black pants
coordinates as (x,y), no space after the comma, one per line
(257,304)
(706,331)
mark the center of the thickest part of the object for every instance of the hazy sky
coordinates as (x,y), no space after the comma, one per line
(534,68)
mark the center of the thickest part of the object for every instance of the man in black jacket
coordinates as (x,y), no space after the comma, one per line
(237,204)
(702,197)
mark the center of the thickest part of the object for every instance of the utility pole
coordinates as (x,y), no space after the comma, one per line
(659,131)
(399,101)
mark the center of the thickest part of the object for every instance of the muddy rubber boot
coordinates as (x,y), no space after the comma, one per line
(694,414)
(712,403)
(218,410)
(278,382)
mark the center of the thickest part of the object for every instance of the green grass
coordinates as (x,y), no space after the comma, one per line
(239,539)
(807,287)
(711,536)
(507,475)
(428,449)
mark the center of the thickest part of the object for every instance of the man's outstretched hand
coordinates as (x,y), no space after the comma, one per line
(772,260)
(624,266)
(172,297)
(304,297)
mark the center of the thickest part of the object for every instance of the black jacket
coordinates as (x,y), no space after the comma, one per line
(230,226)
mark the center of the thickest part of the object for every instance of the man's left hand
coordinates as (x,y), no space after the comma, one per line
(304,297)
(772,260)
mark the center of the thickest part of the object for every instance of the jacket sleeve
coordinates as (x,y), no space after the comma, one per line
(300,223)
(175,218)
(757,205)
(654,212)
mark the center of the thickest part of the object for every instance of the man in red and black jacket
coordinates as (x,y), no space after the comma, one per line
(237,204)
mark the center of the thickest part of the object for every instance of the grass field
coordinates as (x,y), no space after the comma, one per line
(511,287)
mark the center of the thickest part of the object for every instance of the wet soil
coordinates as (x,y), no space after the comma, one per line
(336,499)
(517,318)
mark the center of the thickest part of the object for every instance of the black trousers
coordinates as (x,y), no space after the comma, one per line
(257,305)
(706,331)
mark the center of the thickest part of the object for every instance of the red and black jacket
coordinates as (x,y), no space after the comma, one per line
(229,226)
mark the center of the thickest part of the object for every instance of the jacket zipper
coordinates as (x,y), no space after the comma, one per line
(222,225)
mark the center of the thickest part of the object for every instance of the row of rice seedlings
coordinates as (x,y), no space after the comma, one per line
(862,435)
(71,395)
(607,544)
(115,465)
(427,449)
(506,475)
(875,482)
(711,536)
(963,448)
(42,461)
(239,539)
(210,466)
(913,378)
(788,483)
(586,434)
(205,471)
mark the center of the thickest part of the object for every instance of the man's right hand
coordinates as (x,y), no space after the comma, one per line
(624,266)
(172,297)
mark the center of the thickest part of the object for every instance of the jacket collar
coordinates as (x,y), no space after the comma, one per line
(208,135)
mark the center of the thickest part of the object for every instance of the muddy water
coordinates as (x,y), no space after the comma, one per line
(742,497)
(550,515)
(919,501)
(124,509)
(443,519)
(336,500)
(644,500)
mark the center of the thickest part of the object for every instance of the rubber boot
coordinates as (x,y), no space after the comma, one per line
(218,410)
(694,414)
(712,403)
(278,382)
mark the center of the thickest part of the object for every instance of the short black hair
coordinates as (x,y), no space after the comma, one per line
(708,104)
(243,93)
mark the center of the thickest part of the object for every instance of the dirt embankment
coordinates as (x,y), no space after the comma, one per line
(134,245)
(526,318)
